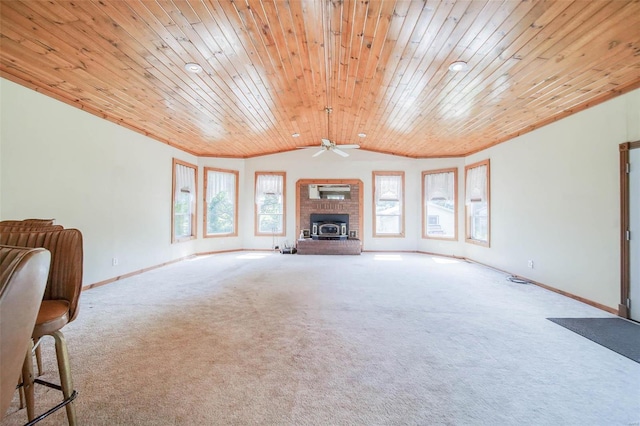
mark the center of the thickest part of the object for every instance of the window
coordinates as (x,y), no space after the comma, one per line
(477,203)
(439,207)
(221,202)
(388,199)
(270,203)
(183,214)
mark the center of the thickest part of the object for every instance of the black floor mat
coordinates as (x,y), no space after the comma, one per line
(617,334)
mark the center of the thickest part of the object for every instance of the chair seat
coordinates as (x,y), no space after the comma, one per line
(52,316)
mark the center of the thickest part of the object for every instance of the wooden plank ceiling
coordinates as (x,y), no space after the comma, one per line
(272,68)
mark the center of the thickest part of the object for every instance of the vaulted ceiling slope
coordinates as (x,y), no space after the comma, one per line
(274,68)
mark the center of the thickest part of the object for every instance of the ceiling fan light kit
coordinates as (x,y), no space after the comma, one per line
(327,145)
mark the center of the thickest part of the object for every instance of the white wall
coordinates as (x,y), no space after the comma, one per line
(555,199)
(87,173)
(360,164)
(554,192)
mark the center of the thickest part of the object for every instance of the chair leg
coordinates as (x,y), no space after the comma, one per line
(64,369)
(27,382)
(39,359)
(21,393)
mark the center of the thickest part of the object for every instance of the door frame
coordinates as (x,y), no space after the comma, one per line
(625,263)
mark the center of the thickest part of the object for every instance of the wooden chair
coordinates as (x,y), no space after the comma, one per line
(28,225)
(58,308)
(23,277)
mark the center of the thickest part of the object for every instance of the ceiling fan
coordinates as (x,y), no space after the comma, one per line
(327,145)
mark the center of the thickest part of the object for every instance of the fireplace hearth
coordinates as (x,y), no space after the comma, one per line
(348,247)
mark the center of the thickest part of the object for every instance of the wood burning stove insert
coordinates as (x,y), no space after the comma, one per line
(328,226)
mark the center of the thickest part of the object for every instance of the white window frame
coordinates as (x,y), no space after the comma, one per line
(377,176)
(259,200)
(184,186)
(477,198)
(426,197)
(210,191)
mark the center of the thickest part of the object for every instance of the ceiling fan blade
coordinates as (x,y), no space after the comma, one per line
(307,147)
(348,146)
(319,152)
(326,142)
(339,152)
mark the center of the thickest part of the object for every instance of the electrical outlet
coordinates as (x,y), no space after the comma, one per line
(114,261)
(530,264)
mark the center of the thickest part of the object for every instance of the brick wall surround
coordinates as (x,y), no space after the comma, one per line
(353,207)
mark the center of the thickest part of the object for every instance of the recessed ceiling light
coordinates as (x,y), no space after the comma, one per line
(362,135)
(458,66)
(295,135)
(193,67)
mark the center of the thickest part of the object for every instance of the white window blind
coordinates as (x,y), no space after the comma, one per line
(218,182)
(440,186)
(269,185)
(185,180)
(388,188)
(476,185)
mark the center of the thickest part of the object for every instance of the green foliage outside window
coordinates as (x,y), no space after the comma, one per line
(221,214)
(270,214)
(182,215)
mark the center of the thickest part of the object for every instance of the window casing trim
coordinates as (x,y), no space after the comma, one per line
(205,204)
(194,202)
(256,213)
(455,208)
(374,215)
(467,230)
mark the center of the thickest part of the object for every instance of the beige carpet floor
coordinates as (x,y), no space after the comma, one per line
(379,339)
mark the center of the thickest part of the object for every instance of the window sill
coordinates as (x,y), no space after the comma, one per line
(477,242)
(427,237)
(231,235)
(183,239)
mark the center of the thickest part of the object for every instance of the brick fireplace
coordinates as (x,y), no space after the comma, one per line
(353,207)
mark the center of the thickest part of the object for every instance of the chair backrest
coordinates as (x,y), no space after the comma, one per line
(65,274)
(28,228)
(23,277)
(28,222)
